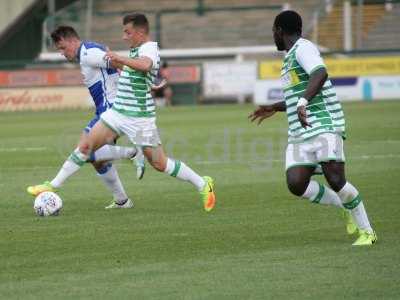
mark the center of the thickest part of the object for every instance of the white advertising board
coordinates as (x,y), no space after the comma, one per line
(223,79)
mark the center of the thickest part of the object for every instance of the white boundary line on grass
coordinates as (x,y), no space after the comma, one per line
(361,157)
(25,149)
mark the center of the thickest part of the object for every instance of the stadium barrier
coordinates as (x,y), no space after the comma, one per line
(343,67)
(366,79)
(29,78)
(42,90)
(62,89)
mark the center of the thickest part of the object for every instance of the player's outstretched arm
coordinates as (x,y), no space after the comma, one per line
(95,58)
(266,111)
(142,63)
(315,84)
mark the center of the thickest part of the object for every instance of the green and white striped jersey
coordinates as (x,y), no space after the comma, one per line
(133,96)
(324,111)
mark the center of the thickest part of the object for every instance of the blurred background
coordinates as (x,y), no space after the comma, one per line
(213,51)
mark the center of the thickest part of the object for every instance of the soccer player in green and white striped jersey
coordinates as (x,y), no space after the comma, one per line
(133,113)
(316,127)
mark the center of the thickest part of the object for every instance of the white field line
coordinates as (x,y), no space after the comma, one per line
(25,149)
(360,157)
(36,149)
(243,162)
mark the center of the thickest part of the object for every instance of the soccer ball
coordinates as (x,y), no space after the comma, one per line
(47,204)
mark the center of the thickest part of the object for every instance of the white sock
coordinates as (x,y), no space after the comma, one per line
(319,193)
(180,170)
(352,201)
(70,166)
(109,176)
(110,152)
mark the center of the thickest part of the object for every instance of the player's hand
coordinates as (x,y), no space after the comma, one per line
(302,115)
(162,84)
(113,57)
(261,113)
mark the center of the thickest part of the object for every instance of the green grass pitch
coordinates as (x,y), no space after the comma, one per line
(260,242)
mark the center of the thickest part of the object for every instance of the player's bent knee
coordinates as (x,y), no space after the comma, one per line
(99,165)
(297,188)
(158,166)
(336,182)
(296,184)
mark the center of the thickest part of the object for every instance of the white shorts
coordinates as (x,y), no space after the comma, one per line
(140,131)
(323,147)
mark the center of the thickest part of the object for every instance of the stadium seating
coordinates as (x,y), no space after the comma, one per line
(230,28)
(376,21)
(385,35)
(189,30)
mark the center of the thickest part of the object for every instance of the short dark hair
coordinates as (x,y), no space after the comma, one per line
(290,22)
(137,20)
(63,32)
